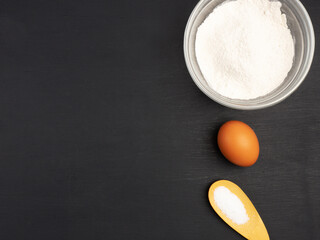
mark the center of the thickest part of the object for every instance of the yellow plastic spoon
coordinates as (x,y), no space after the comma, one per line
(254,228)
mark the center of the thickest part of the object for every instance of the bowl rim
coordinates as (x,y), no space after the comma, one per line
(276,100)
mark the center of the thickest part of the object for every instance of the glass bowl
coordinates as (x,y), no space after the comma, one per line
(302,31)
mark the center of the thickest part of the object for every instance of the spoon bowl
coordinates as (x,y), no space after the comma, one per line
(254,228)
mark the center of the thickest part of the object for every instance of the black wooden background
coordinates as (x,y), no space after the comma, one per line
(104,135)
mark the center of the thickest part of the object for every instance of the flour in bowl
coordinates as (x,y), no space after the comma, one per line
(244,48)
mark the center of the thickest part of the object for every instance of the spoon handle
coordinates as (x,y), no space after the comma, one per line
(259,233)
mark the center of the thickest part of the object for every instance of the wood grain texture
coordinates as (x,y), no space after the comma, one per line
(103,134)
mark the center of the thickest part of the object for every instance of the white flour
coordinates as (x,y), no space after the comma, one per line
(230,205)
(244,48)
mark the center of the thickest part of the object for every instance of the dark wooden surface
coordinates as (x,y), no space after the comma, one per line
(105,136)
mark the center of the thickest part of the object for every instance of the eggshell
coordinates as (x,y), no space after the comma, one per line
(238,143)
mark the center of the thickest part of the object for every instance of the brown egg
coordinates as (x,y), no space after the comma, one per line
(238,143)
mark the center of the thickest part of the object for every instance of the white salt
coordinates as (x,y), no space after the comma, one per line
(244,48)
(230,205)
